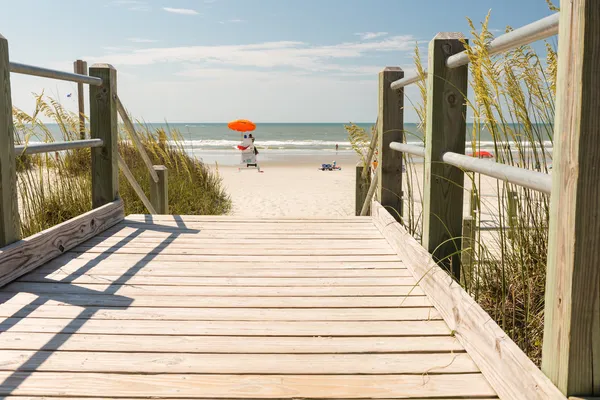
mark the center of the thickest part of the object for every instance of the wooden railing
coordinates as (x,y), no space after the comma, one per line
(571,348)
(20,256)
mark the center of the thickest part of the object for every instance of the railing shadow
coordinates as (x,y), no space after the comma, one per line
(19,375)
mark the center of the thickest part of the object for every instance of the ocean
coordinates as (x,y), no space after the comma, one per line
(214,142)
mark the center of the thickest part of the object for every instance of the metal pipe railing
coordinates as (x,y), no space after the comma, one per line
(408,148)
(523,177)
(36,148)
(25,69)
(409,80)
(538,30)
(519,176)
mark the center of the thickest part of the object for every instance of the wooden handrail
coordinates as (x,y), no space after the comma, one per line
(135,139)
(37,148)
(136,187)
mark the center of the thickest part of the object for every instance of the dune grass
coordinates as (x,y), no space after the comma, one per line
(55,187)
(513,100)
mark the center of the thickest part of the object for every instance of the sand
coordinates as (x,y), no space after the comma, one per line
(291,191)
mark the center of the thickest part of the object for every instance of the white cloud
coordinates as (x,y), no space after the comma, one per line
(183,11)
(141,40)
(279,54)
(370,35)
(236,20)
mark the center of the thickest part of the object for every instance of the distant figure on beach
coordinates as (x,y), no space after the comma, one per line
(336,147)
(252,137)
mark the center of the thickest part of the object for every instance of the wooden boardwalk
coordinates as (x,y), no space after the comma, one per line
(221,307)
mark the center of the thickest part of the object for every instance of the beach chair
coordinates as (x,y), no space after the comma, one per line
(248,160)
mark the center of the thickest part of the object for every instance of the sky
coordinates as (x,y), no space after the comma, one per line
(218,60)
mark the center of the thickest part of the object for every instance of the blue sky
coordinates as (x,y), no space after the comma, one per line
(217,60)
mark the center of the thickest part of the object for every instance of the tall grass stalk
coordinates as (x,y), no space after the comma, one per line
(55,187)
(513,102)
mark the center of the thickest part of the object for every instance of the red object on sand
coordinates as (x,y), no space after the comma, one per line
(482,154)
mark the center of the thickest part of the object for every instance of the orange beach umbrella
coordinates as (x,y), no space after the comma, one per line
(242,125)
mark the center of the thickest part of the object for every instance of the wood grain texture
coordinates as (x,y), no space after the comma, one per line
(390,128)
(159,191)
(510,372)
(222,314)
(244,386)
(133,290)
(107,300)
(571,350)
(136,186)
(104,125)
(443,184)
(27,254)
(229,344)
(223,328)
(80,67)
(361,188)
(10,230)
(135,138)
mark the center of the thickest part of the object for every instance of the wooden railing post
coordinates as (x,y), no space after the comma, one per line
(103,125)
(80,67)
(159,191)
(9,207)
(446,131)
(390,127)
(571,349)
(361,187)
(467,251)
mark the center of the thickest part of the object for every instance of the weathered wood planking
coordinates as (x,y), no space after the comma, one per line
(229,344)
(236,257)
(159,191)
(104,125)
(172,398)
(220,328)
(443,184)
(281,364)
(510,372)
(222,314)
(245,386)
(60,277)
(571,350)
(390,128)
(133,290)
(207,250)
(25,255)
(249,220)
(10,230)
(107,300)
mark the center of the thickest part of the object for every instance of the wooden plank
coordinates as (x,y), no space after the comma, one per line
(281,364)
(361,188)
(136,187)
(80,67)
(187,242)
(161,232)
(571,350)
(169,270)
(25,255)
(141,260)
(221,314)
(443,185)
(131,290)
(228,344)
(263,228)
(171,398)
(222,328)
(107,300)
(145,280)
(510,372)
(10,230)
(159,191)
(130,128)
(252,220)
(103,125)
(252,258)
(390,128)
(243,386)
(252,251)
